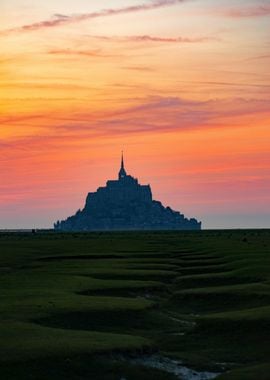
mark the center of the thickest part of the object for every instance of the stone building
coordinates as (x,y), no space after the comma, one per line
(124,204)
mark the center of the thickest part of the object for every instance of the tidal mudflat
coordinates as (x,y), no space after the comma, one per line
(73,305)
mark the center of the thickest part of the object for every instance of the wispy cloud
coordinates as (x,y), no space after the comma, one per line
(247,11)
(259,57)
(86,53)
(126,39)
(148,38)
(155,113)
(61,19)
(228,84)
(139,68)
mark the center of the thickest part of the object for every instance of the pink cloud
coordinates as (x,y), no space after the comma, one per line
(259,57)
(86,53)
(154,114)
(148,38)
(60,19)
(248,11)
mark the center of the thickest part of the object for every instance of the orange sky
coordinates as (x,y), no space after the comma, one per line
(182,86)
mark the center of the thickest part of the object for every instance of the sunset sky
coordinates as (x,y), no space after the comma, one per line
(183,87)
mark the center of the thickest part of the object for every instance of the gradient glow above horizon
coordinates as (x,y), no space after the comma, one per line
(183,87)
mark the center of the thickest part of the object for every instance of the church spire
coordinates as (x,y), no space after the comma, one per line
(122,172)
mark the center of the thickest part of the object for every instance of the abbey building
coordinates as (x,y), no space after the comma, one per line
(124,204)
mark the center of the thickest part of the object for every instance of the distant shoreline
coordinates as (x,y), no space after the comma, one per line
(26,230)
(44,230)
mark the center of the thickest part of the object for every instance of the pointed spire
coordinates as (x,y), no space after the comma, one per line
(122,161)
(122,172)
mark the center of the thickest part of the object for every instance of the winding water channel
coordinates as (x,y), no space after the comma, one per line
(171,366)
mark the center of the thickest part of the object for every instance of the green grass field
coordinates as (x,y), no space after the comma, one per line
(72,304)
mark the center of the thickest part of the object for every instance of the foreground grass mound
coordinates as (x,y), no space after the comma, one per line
(80,306)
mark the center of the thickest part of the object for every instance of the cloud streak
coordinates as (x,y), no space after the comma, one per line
(148,38)
(247,12)
(126,39)
(60,19)
(139,68)
(96,53)
(259,57)
(151,114)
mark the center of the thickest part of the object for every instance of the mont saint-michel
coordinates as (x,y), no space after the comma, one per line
(124,204)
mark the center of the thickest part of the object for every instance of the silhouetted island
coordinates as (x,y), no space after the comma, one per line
(124,204)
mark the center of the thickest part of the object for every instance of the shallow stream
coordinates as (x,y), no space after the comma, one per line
(171,366)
